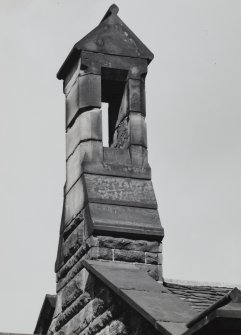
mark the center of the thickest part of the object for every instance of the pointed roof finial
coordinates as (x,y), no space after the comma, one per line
(113,10)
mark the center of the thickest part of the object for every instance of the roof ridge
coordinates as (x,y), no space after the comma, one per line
(201,283)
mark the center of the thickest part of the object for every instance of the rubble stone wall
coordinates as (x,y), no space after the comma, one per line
(83,305)
(88,307)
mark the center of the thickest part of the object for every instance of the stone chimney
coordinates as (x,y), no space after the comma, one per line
(109,209)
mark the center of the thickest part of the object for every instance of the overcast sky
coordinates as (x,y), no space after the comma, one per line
(194,137)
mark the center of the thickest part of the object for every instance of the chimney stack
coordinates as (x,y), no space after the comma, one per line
(109,209)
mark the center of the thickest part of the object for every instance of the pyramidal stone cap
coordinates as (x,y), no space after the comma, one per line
(112,37)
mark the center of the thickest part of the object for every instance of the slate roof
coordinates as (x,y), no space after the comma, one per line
(172,308)
(198,296)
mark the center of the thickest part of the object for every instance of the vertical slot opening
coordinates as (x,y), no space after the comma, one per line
(105,123)
(113,83)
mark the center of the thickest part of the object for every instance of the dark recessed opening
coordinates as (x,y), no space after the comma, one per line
(113,82)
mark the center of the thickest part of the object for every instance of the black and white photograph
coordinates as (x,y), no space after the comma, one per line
(120,174)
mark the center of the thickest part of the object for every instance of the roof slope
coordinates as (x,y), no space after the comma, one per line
(166,312)
(199,297)
(46,314)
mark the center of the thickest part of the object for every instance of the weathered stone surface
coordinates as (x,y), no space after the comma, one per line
(72,76)
(153,258)
(121,137)
(100,253)
(154,271)
(123,219)
(71,262)
(129,256)
(74,241)
(124,110)
(139,156)
(136,67)
(138,134)
(175,328)
(135,96)
(72,291)
(72,310)
(124,243)
(89,151)
(58,306)
(118,190)
(75,201)
(86,92)
(117,156)
(69,229)
(101,321)
(118,327)
(87,126)
(91,311)
(70,274)
(125,275)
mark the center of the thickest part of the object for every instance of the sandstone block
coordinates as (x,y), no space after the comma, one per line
(74,201)
(154,271)
(69,229)
(139,156)
(91,311)
(117,156)
(153,258)
(129,256)
(136,67)
(74,241)
(127,244)
(72,290)
(72,310)
(63,271)
(121,136)
(58,306)
(100,253)
(101,321)
(87,126)
(118,327)
(119,190)
(85,93)
(91,152)
(125,219)
(123,110)
(135,96)
(138,134)
(77,267)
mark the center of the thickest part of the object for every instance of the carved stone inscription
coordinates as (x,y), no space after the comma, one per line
(118,190)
